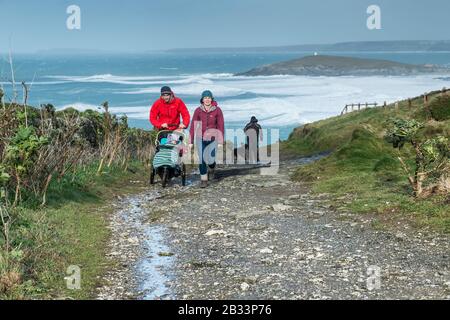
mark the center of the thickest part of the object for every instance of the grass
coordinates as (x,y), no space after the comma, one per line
(71,230)
(364,169)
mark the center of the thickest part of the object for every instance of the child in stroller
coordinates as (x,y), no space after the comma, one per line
(167,162)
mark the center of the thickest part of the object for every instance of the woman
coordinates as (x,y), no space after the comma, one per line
(207,131)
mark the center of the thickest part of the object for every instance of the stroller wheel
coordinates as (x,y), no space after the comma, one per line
(152,176)
(183,175)
(165,177)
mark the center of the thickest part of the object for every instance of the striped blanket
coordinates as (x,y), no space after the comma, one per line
(166,157)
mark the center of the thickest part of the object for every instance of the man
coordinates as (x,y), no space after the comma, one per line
(166,111)
(253,132)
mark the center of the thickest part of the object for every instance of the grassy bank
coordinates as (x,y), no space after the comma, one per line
(59,171)
(362,173)
(71,230)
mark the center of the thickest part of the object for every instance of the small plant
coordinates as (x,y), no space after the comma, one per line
(2,102)
(4,178)
(432,156)
(21,154)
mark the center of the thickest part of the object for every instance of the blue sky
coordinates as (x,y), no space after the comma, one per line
(141,25)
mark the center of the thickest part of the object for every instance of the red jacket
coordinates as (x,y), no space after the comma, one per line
(207,120)
(162,112)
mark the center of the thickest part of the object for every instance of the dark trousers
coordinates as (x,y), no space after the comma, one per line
(208,158)
(250,154)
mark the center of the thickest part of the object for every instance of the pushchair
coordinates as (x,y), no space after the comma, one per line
(167,162)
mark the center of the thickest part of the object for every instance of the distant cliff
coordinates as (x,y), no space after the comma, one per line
(342,66)
(357,46)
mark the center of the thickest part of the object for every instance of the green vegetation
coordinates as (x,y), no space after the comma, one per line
(70,230)
(432,157)
(440,108)
(58,173)
(363,171)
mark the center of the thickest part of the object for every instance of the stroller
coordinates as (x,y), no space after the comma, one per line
(167,162)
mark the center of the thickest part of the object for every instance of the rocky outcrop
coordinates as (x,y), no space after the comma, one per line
(343,66)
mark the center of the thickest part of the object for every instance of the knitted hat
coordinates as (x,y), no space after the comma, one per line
(207,93)
(166,90)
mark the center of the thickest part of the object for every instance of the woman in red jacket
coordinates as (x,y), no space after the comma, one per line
(165,112)
(207,131)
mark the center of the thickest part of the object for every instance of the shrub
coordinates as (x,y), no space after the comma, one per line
(432,160)
(440,108)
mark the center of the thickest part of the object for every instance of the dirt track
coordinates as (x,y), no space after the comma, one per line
(264,237)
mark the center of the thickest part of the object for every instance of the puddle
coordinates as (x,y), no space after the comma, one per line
(153,268)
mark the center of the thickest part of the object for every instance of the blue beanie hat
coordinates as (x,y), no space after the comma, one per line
(207,93)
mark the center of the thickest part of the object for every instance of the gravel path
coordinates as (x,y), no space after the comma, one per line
(264,237)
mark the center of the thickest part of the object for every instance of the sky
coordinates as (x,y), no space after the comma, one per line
(145,25)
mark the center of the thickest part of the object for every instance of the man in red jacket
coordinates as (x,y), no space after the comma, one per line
(166,111)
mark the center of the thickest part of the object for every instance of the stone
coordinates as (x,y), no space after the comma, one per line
(279,207)
(215,232)
(165,254)
(245,286)
(400,236)
(251,279)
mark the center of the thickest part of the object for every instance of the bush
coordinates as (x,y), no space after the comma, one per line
(432,156)
(53,144)
(440,108)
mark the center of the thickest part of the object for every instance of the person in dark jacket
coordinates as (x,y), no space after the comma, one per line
(254,134)
(207,132)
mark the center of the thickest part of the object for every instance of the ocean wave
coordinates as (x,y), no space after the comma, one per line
(285,100)
(193,89)
(142,80)
(80,106)
(36,83)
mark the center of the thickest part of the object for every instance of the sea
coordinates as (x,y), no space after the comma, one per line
(131,83)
